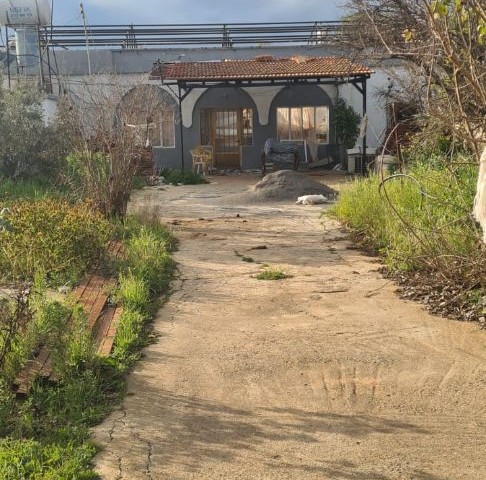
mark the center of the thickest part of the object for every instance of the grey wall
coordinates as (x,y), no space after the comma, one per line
(75,62)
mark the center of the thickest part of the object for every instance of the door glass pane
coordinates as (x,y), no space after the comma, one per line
(247,126)
(226,125)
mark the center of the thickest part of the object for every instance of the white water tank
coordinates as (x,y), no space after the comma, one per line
(24,13)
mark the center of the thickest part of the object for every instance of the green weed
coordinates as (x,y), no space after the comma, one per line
(11,190)
(47,435)
(133,292)
(272,273)
(30,459)
(418,222)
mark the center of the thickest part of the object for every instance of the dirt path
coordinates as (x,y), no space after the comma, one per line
(325,375)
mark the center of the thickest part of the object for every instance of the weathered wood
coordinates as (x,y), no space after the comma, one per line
(105,335)
(92,295)
(31,372)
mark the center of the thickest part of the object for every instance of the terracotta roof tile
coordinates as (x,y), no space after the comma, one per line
(260,68)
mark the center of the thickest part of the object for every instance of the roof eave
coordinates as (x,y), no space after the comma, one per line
(260,78)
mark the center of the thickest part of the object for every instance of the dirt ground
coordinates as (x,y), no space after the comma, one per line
(324,375)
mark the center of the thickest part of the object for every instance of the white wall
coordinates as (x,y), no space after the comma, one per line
(376,112)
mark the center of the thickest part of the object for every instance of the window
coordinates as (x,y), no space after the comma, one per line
(167,129)
(158,132)
(303,123)
(148,112)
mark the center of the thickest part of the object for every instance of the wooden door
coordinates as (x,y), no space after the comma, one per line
(226,137)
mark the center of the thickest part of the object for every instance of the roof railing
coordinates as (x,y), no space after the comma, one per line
(197,35)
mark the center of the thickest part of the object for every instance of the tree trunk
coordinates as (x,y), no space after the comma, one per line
(479,211)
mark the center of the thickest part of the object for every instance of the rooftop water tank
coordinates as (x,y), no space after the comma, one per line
(23,13)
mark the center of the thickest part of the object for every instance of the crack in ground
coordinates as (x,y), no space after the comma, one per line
(120,470)
(148,469)
(121,420)
(150,452)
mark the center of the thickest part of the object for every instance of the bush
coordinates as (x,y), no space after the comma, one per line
(28,147)
(181,177)
(50,236)
(421,221)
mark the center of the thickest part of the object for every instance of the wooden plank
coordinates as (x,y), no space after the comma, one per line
(109,338)
(103,326)
(31,371)
(46,369)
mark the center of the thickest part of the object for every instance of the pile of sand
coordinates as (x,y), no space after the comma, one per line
(287,184)
(280,186)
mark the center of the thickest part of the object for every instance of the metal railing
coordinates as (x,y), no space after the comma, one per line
(222,35)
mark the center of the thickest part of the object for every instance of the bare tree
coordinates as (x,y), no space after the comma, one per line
(444,42)
(112,125)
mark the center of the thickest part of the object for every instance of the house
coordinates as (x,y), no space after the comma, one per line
(236,105)
(233,96)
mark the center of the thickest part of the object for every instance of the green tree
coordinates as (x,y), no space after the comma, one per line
(29,146)
(346,122)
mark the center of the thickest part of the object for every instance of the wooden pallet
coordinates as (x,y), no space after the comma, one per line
(102,320)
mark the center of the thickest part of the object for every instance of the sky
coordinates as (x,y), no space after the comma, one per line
(66,12)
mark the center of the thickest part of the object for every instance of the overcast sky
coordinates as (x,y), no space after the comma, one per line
(195,11)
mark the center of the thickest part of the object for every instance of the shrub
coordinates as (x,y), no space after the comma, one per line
(181,177)
(51,236)
(421,221)
(29,146)
(346,122)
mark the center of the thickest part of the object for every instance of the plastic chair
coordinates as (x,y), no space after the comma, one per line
(202,160)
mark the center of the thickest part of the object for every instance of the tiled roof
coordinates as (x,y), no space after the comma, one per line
(260,68)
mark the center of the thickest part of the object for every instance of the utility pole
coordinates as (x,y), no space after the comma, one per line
(83,15)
